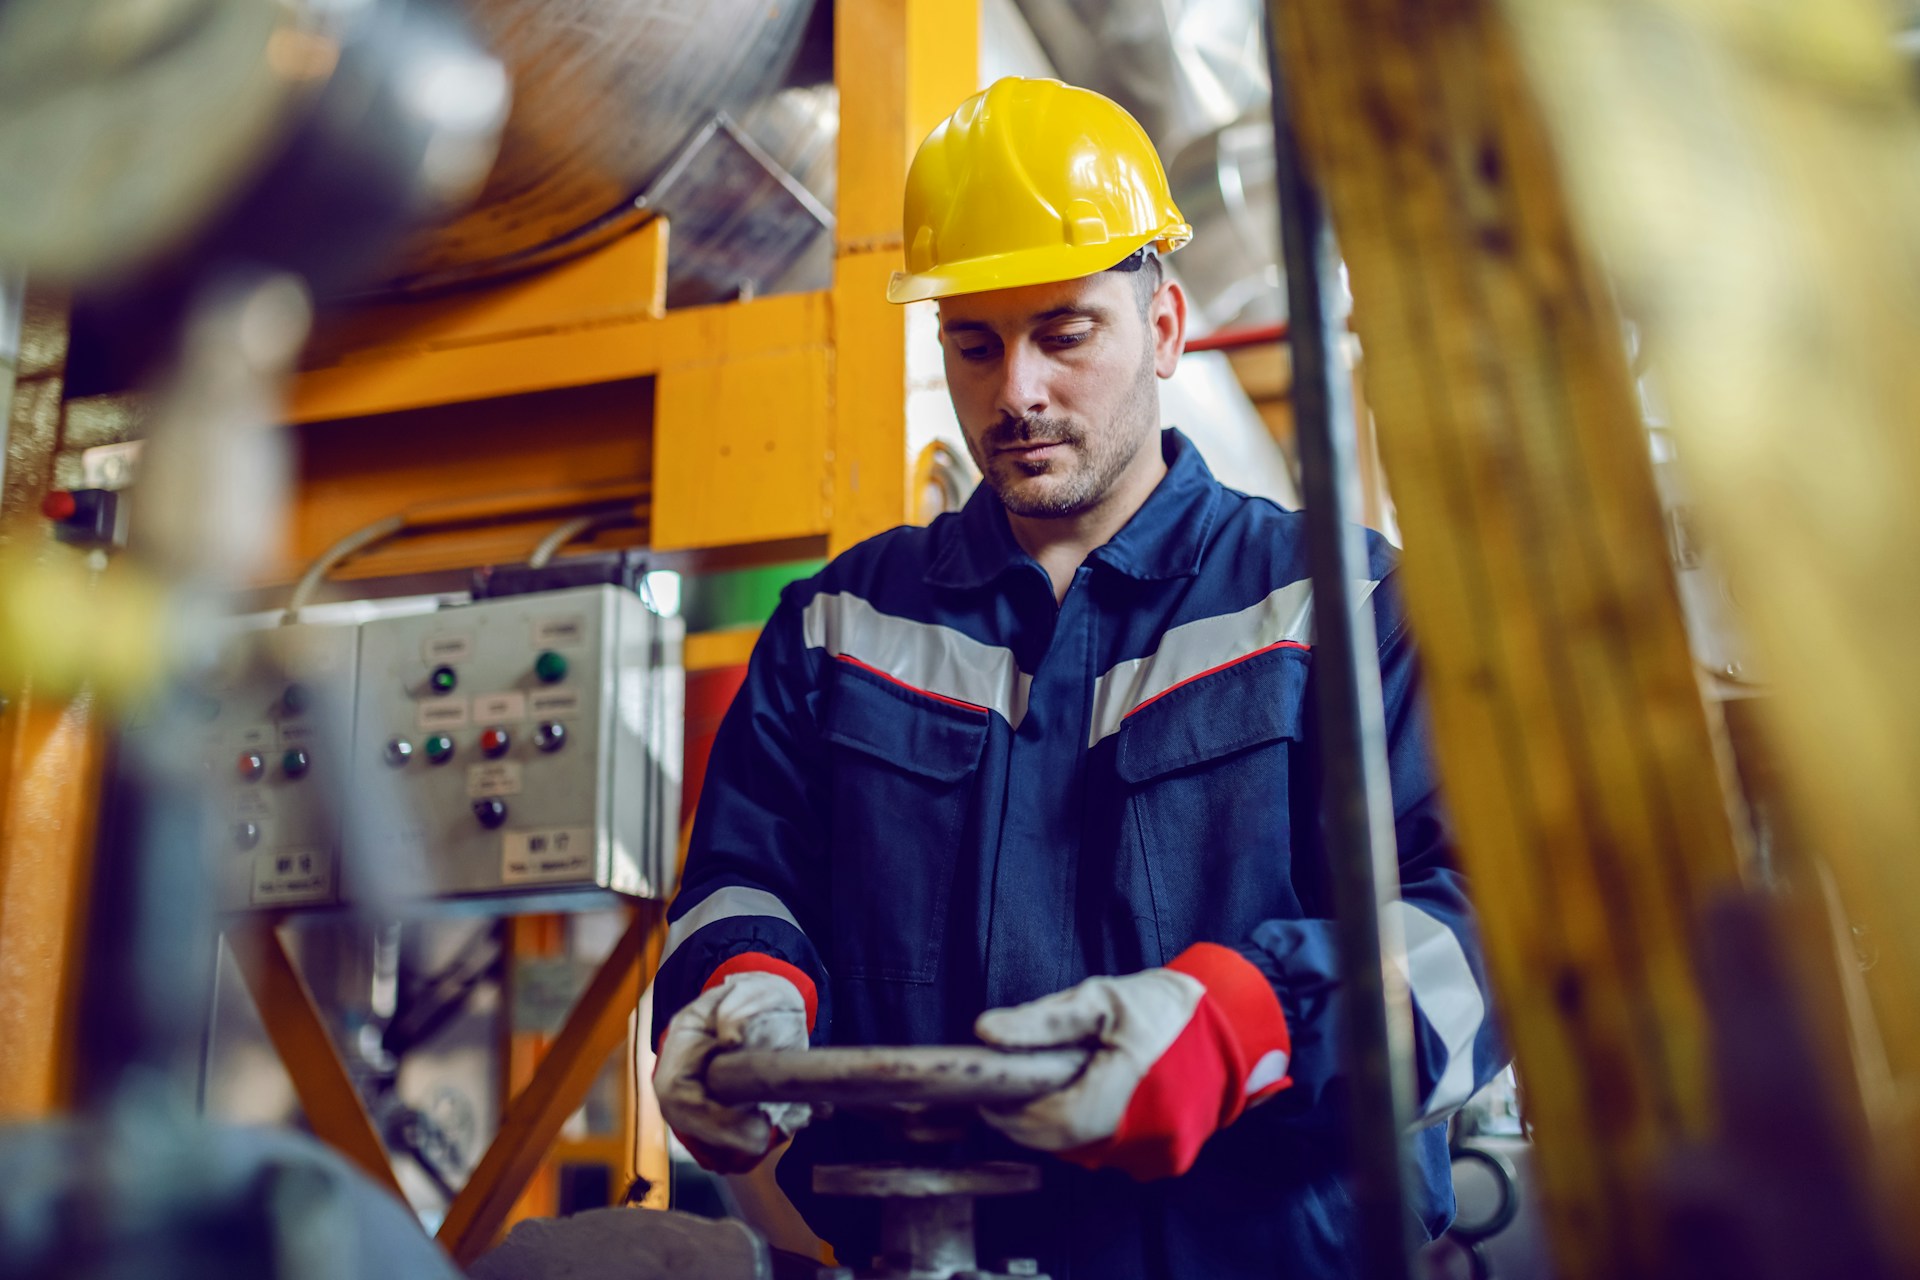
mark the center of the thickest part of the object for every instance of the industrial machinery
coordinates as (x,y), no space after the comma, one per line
(530,742)
(928,1095)
(278,711)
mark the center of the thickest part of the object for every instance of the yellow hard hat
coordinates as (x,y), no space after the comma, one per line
(1029,182)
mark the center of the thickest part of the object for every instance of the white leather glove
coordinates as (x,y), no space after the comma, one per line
(748,1010)
(1178,1053)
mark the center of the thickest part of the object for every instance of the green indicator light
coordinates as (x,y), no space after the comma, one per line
(443,679)
(294,763)
(551,667)
(439,748)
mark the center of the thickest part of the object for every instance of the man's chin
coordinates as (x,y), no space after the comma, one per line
(1039,497)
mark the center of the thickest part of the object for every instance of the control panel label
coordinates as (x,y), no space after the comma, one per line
(296,735)
(251,805)
(564,631)
(494,778)
(538,857)
(257,737)
(554,704)
(446,648)
(443,713)
(286,876)
(495,707)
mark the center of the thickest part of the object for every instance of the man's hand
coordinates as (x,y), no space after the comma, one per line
(1178,1053)
(746,1010)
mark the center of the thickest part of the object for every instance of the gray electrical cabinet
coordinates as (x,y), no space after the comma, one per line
(520,745)
(276,718)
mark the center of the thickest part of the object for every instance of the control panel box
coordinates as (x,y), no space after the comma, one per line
(275,725)
(525,744)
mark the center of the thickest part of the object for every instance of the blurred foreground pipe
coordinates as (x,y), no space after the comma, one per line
(1377,1032)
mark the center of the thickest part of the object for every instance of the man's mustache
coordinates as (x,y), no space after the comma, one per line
(1027,432)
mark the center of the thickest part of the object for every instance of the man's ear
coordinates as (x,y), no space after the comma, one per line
(1168,317)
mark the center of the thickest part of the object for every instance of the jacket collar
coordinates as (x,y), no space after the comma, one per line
(1165,538)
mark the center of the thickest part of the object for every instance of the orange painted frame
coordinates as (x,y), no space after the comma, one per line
(835,359)
(827,370)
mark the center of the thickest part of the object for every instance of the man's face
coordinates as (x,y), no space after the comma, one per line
(1054,384)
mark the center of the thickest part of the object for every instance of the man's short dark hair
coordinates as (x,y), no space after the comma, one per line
(1143,266)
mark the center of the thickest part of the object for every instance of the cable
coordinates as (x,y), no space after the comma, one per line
(568,530)
(345,549)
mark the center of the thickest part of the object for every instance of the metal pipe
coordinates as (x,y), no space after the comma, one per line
(13,299)
(1357,797)
(1253,335)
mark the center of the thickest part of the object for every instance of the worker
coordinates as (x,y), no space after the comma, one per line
(1045,772)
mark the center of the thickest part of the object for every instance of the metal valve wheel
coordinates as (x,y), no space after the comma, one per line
(926,1207)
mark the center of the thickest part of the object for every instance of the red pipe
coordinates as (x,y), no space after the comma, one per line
(1253,335)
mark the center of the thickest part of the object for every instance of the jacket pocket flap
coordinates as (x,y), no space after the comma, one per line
(1254,702)
(901,727)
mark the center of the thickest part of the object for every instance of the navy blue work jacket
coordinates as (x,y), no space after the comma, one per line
(939,792)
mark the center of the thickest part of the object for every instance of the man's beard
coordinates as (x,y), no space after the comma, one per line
(1088,470)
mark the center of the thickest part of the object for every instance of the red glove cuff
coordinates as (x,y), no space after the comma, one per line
(1255,1038)
(755,962)
(1233,1051)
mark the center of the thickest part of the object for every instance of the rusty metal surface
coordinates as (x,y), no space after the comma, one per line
(951,1075)
(922,1181)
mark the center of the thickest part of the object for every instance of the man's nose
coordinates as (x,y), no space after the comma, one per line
(1022,391)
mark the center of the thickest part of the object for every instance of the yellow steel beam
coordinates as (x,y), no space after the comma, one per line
(50,757)
(595,1028)
(706,650)
(623,281)
(1578,758)
(299,1034)
(740,450)
(49,776)
(901,65)
(1761,213)
(562,358)
(603,321)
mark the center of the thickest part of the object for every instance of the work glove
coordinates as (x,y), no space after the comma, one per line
(741,1008)
(1178,1053)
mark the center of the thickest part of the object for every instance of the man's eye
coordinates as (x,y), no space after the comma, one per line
(1059,341)
(976,353)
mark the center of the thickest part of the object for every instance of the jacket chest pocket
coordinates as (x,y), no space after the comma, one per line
(1208,774)
(902,783)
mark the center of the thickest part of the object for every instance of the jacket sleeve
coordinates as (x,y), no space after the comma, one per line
(1457,1047)
(752,894)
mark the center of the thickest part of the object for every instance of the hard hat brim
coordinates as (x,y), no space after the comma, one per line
(1049,264)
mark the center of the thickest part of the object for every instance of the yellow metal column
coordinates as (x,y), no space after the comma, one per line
(49,770)
(1761,214)
(901,65)
(1579,761)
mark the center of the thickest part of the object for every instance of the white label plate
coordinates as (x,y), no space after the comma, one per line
(296,735)
(286,876)
(495,707)
(493,778)
(257,737)
(563,631)
(446,648)
(444,713)
(555,704)
(554,854)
